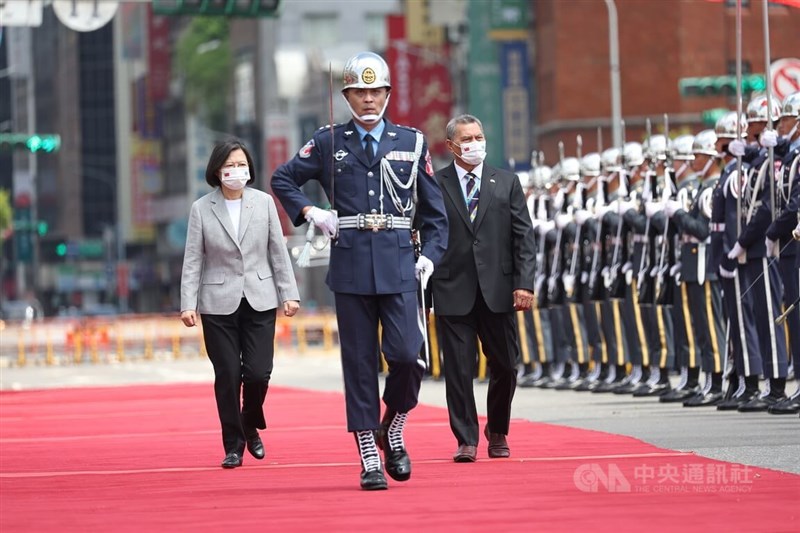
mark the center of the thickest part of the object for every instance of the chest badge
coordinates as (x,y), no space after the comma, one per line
(341,154)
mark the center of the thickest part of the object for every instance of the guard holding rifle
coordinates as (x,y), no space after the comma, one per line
(376,175)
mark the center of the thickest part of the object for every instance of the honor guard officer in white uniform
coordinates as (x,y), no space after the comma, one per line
(376,175)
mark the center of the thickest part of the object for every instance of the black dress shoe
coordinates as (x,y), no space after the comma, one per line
(255,446)
(398,464)
(466,454)
(761,404)
(656,389)
(373,480)
(232,460)
(678,395)
(704,400)
(733,403)
(788,406)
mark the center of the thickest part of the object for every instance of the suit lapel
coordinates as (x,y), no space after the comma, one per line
(488,183)
(247,212)
(452,187)
(221,211)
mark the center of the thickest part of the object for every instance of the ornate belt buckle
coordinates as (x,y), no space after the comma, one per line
(372,221)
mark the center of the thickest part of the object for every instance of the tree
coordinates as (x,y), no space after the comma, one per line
(6,214)
(204,59)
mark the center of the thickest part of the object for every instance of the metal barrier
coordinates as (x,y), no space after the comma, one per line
(62,341)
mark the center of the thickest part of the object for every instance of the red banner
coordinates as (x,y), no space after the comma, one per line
(421,90)
(158,55)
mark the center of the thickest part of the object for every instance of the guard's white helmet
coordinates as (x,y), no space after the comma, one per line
(757,109)
(590,164)
(634,154)
(541,177)
(726,126)
(366,70)
(682,147)
(655,148)
(570,169)
(611,160)
(705,142)
(791,106)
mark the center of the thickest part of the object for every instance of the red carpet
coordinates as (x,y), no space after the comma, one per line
(146,458)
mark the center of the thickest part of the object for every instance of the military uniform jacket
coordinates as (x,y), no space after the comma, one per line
(367,262)
(788,201)
(755,199)
(695,232)
(724,217)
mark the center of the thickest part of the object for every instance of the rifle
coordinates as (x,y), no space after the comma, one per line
(664,284)
(614,280)
(644,284)
(593,285)
(573,288)
(555,286)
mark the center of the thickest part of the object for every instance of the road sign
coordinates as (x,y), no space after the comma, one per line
(785,77)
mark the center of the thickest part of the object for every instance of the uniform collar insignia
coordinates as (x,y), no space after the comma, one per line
(341,154)
(348,133)
(391,134)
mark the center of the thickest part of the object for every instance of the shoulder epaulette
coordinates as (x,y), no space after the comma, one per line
(408,128)
(328,126)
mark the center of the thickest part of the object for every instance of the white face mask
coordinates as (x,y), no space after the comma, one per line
(235,178)
(473,153)
(368,119)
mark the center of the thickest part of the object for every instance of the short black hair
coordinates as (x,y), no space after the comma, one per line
(220,154)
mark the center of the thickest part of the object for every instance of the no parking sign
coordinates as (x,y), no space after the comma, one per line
(784,75)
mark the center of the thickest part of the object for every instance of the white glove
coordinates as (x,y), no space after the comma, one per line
(796,232)
(325,220)
(671,207)
(736,252)
(581,216)
(768,139)
(563,220)
(423,270)
(623,206)
(737,147)
(727,274)
(535,223)
(652,208)
(674,270)
(546,226)
(772,247)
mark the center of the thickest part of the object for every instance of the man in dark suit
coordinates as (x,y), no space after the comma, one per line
(485,275)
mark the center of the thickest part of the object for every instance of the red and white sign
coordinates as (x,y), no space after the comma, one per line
(784,76)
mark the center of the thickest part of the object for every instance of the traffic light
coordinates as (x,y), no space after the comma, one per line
(61,249)
(33,143)
(41,228)
(721,85)
(710,116)
(221,8)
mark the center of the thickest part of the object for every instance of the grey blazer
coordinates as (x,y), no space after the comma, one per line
(219,268)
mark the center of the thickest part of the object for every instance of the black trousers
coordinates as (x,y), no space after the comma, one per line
(498,335)
(767,290)
(708,322)
(241,348)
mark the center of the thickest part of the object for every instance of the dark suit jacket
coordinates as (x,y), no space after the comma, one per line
(496,254)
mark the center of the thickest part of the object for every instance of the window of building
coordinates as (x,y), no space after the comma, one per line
(732,3)
(320,30)
(375,25)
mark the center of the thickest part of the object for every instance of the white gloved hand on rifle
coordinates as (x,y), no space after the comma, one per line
(325,220)
(768,139)
(423,270)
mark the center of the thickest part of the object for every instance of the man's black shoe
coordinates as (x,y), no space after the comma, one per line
(761,404)
(704,400)
(678,395)
(656,389)
(373,480)
(733,403)
(398,464)
(232,460)
(788,406)
(255,446)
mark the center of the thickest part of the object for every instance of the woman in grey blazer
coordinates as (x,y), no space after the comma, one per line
(236,272)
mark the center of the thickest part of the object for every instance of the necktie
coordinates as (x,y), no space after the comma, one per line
(368,148)
(473,195)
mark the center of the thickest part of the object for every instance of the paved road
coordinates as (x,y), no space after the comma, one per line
(757,439)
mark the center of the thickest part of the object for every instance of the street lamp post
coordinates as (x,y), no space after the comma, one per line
(613,49)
